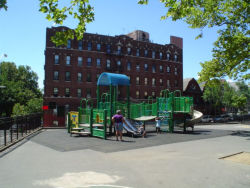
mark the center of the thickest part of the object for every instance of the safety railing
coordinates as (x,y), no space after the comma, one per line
(13,129)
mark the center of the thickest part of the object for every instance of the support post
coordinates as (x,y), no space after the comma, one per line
(128,102)
(98,96)
(111,109)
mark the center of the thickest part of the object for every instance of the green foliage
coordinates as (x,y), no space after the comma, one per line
(21,86)
(78,9)
(239,101)
(34,105)
(18,110)
(231,50)
(3,4)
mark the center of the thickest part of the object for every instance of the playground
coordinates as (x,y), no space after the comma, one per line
(93,117)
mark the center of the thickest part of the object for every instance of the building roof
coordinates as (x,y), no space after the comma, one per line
(107,79)
(186,82)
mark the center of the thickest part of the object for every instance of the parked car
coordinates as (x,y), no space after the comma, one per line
(206,119)
(218,119)
(225,117)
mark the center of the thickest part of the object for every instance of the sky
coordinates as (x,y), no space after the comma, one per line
(23,31)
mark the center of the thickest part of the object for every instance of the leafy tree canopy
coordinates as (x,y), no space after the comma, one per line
(231,50)
(21,86)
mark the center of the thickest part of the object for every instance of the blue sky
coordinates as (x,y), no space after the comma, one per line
(23,30)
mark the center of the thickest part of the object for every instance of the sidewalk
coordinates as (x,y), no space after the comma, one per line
(172,160)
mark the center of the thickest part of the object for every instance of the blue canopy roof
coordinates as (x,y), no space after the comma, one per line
(106,79)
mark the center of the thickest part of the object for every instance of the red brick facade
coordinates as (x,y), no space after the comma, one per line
(71,72)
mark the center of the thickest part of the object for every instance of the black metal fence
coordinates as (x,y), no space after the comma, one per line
(14,129)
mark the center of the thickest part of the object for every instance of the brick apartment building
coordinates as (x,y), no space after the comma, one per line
(71,71)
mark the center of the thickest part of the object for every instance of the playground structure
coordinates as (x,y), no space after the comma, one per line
(171,107)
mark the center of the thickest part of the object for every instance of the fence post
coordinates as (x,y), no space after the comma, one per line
(5,137)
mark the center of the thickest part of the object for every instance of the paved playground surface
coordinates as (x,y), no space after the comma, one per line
(53,159)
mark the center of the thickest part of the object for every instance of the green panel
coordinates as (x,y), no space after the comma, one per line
(98,133)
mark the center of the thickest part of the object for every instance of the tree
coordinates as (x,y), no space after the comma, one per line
(231,50)
(21,86)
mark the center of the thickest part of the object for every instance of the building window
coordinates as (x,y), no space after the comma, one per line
(153,94)
(161,82)
(118,63)
(168,69)
(67,76)
(56,59)
(137,80)
(153,81)
(55,92)
(137,52)
(129,51)
(176,83)
(67,60)
(67,92)
(146,67)
(119,49)
(98,47)
(56,75)
(137,93)
(89,61)
(89,46)
(153,54)
(145,94)
(175,71)
(108,64)
(146,53)
(88,93)
(80,45)
(98,62)
(79,61)
(79,92)
(161,69)
(97,77)
(137,67)
(108,48)
(160,55)
(175,57)
(168,56)
(128,66)
(69,44)
(146,81)
(88,77)
(79,76)
(153,68)
(168,83)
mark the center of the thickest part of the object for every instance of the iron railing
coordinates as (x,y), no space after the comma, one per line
(13,129)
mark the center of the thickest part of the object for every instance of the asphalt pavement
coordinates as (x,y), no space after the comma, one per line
(53,159)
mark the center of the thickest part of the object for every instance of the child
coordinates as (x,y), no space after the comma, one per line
(158,125)
(142,131)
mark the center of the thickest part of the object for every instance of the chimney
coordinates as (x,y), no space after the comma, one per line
(178,41)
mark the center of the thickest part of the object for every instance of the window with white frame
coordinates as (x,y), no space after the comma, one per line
(55,91)
(128,66)
(89,46)
(67,60)
(80,45)
(119,49)
(79,76)
(56,75)
(67,76)
(137,80)
(145,94)
(175,57)
(108,64)
(161,82)
(146,81)
(161,69)
(153,68)
(98,47)
(153,54)
(79,92)
(160,55)
(153,81)
(98,62)
(56,59)
(88,91)
(79,61)
(137,67)
(108,48)
(175,71)
(88,78)
(118,63)
(69,44)
(146,67)
(168,83)
(146,53)
(137,94)
(89,61)
(168,69)
(153,94)
(137,52)
(168,56)
(67,92)
(176,83)
(129,51)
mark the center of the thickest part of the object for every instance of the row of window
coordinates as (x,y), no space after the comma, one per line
(89,79)
(119,50)
(118,64)
(88,93)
